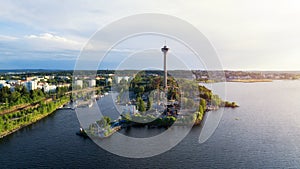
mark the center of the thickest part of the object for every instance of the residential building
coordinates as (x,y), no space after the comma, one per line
(30,85)
(119,78)
(79,83)
(131,109)
(4,84)
(92,83)
(49,88)
(108,81)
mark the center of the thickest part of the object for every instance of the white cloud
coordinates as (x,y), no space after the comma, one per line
(48,41)
(7,38)
(51,37)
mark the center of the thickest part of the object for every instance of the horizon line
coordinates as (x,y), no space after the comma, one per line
(247,70)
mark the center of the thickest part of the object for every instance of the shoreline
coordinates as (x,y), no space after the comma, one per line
(32,122)
(114,130)
(250,80)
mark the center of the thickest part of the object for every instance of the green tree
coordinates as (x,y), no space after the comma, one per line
(203,103)
(1,124)
(141,104)
(104,122)
(14,97)
(107,119)
(149,104)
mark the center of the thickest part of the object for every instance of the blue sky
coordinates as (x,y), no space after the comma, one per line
(247,34)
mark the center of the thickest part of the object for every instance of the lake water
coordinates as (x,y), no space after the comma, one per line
(264,132)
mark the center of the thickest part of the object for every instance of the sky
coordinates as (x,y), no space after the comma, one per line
(247,34)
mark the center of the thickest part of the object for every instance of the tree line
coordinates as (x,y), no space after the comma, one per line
(13,121)
(20,95)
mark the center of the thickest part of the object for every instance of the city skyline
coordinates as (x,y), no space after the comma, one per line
(252,35)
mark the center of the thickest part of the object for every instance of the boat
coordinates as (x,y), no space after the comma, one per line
(82,133)
(90,104)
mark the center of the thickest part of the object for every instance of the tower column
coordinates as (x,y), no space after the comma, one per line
(165,50)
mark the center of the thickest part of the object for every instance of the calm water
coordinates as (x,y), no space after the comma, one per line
(263,133)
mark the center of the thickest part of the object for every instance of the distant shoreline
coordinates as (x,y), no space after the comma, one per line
(250,80)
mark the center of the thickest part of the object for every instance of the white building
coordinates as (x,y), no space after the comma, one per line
(30,85)
(49,77)
(4,84)
(64,77)
(63,85)
(108,80)
(14,82)
(40,86)
(119,78)
(92,83)
(49,88)
(131,109)
(79,83)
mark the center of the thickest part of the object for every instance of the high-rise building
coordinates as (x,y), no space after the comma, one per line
(92,83)
(30,85)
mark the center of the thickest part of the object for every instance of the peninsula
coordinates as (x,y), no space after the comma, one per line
(143,102)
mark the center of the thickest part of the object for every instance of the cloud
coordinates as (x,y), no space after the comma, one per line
(7,38)
(247,34)
(51,37)
(40,47)
(48,41)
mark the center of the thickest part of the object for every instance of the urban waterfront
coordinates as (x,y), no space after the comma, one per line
(262,133)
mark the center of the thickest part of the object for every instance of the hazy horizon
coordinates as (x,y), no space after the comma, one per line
(41,69)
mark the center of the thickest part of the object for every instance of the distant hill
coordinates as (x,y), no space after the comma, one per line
(16,71)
